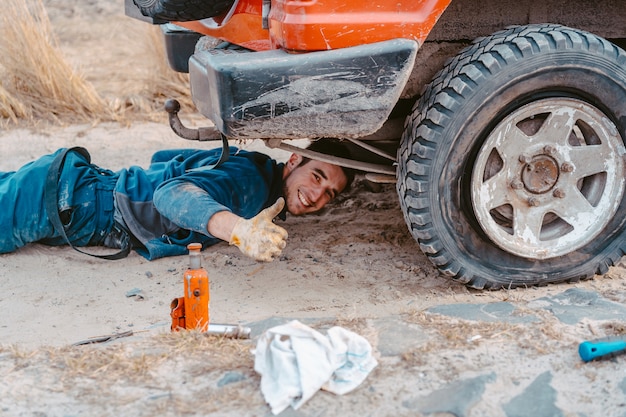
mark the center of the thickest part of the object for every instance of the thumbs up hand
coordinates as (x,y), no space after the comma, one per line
(259,237)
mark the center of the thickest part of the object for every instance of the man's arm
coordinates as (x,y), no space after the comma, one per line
(221,225)
(258,237)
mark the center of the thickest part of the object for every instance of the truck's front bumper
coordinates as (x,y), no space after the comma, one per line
(276,95)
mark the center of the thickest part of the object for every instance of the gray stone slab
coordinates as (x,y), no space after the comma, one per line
(257,328)
(456,398)
(230,378)
(489,312)
(289,412)
(396,336)
(537,400)
(575,304)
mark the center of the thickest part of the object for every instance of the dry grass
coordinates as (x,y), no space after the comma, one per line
(164,82)
(190,352)
(615,329)
(159,84)
(461,333)
(458,334)
(11,107)
(38,84)
(166,374)
(212,352)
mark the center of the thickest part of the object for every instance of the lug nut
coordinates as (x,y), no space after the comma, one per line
(525,159)
(517,185)
(549,149)
(558,193)
(567,167)
(533,202)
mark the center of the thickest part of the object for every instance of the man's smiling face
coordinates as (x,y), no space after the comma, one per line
(309,186)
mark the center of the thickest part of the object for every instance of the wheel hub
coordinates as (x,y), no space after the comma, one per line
(540,175)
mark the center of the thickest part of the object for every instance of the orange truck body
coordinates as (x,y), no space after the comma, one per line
(316,25)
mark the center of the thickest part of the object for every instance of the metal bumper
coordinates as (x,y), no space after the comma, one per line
(179,46)
(343,93)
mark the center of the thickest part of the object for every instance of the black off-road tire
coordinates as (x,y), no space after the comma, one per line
(182,10)
(462,143)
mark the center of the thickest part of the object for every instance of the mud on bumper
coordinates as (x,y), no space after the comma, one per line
(274,94)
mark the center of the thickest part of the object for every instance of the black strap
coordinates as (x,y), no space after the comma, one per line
(223,157)
(51,198)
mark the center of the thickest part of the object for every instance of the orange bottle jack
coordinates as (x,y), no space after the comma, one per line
(194,311)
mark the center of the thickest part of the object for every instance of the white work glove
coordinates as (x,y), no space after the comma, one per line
(259,237)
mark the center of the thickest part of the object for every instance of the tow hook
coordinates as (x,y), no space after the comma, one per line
(172,107)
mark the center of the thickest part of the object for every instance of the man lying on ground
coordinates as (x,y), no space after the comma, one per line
(181,198)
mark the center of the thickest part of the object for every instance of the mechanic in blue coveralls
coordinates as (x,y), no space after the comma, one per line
(181,198)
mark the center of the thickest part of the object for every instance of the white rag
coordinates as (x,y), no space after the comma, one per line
(295,361)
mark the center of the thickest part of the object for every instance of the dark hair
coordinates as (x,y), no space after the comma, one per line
(333,147)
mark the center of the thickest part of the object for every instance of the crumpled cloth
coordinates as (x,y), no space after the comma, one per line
(295,361)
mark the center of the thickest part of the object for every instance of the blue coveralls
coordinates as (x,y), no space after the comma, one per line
(164,207)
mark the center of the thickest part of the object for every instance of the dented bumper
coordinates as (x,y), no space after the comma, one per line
(343,93)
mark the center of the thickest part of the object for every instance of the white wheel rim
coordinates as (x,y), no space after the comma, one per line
(548,178)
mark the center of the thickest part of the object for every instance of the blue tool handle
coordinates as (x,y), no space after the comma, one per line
(590,350)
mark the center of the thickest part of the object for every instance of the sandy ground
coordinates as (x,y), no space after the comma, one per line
(354,265)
